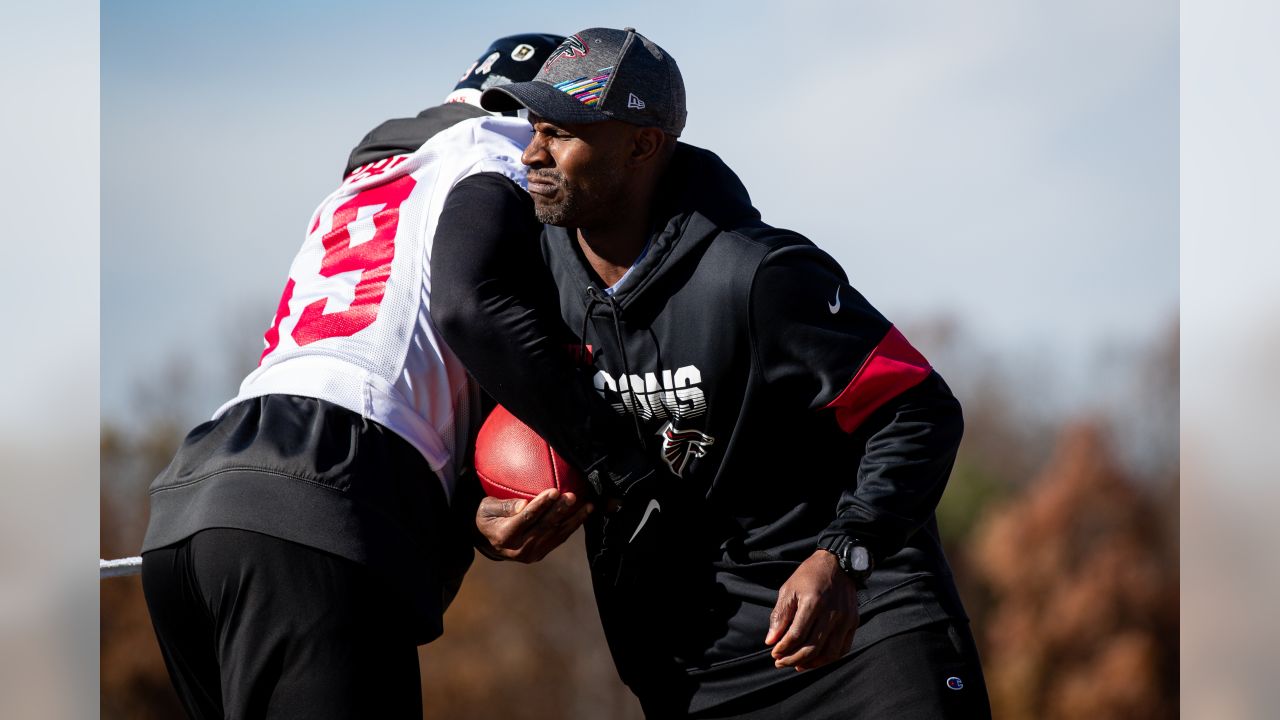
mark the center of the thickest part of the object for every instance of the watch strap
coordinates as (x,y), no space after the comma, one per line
(841,546)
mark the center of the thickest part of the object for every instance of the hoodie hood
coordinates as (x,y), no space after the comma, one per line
(699,182)
(701,196)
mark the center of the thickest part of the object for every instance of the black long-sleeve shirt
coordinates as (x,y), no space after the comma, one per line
(494,303)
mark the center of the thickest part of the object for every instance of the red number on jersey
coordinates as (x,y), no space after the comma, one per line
(372,258)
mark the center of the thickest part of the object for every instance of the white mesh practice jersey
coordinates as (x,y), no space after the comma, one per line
(354,322)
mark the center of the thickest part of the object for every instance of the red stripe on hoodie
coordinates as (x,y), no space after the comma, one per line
(893,367)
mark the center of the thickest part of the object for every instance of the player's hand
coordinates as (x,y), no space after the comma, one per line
(816,615)
(526,530)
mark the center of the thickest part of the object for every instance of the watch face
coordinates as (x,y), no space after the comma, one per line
(859,559)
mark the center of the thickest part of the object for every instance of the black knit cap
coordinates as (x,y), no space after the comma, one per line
(599,74)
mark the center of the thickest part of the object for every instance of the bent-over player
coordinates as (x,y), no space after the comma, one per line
(305,540)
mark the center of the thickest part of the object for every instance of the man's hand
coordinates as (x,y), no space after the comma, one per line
(816,615)
(526,530)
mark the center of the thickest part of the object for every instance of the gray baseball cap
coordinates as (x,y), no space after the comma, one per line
(600,74)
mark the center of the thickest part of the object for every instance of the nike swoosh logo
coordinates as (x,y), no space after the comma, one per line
(835,308)
(653,505)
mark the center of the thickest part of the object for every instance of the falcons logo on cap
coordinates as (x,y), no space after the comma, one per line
(679,446)
(572,47)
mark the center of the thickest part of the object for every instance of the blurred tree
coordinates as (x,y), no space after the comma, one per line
(1143,414)
(134,683)
(1085,616)
(1009,427)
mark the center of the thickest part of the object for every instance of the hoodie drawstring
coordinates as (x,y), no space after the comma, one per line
(595,297)
(583,356)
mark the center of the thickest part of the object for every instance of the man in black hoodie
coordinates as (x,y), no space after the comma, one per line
(805,442)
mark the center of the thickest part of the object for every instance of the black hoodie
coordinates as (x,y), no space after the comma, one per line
(786,411)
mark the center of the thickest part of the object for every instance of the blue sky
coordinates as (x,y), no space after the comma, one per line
(1010,165)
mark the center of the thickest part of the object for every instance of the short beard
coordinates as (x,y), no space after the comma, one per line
(575,208)
(562,212)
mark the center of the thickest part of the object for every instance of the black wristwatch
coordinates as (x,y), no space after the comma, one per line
(854,557)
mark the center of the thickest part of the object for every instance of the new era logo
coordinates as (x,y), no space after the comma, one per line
(634,102)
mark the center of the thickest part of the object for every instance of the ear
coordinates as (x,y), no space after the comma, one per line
(646,146)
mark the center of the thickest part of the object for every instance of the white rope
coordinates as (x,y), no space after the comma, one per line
(119,568)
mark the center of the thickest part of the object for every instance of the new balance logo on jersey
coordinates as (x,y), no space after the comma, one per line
(681,446)
(655,396)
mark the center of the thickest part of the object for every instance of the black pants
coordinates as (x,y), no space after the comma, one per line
(932,673)
(252,626)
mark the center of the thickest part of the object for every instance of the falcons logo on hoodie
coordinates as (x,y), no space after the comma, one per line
(679,446)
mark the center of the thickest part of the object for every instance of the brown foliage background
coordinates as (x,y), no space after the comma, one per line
(1062,532)
(1085,593)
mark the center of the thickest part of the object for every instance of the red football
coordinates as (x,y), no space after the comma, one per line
(515,462)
